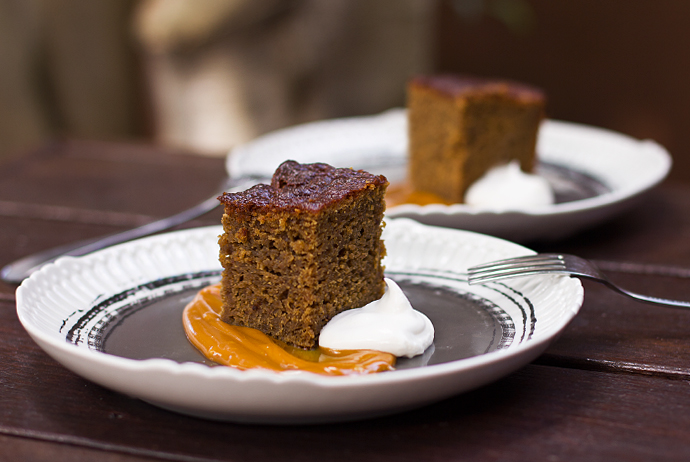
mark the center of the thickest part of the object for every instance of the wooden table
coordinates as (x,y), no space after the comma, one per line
(615,386)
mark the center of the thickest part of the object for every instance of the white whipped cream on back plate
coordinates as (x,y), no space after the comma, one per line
(508,187)
(389,324)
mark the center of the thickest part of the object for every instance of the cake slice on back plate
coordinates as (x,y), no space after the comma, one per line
(460,127)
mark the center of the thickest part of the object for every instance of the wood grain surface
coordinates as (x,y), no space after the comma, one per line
(614,386)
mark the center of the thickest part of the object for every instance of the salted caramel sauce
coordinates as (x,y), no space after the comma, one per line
(247,348)
(403,193)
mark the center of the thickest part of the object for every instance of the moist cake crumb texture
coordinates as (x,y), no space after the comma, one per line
(299,251)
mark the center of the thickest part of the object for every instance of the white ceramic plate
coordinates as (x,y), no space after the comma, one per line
(96,313)
(596,173)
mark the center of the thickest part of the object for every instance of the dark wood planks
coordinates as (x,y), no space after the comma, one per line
(614,386)
(127,178)
(31,449)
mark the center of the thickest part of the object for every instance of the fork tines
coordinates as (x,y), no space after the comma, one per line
(513,267)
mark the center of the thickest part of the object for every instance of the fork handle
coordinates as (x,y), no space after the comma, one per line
(642,298)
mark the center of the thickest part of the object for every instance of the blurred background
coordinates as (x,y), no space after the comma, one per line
(204,75)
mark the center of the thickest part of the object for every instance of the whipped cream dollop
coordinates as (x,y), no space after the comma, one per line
(389,324)
(508,187)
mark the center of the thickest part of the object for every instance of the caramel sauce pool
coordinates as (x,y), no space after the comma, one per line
(402,193)
(247,348)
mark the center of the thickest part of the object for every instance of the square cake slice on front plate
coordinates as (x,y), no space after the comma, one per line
(299,251)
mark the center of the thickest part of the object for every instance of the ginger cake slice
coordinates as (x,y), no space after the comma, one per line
(460,127)
(299,251)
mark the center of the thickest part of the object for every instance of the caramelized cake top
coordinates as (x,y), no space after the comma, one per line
(306,187)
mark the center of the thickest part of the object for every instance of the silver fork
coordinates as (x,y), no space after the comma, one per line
(554,263)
